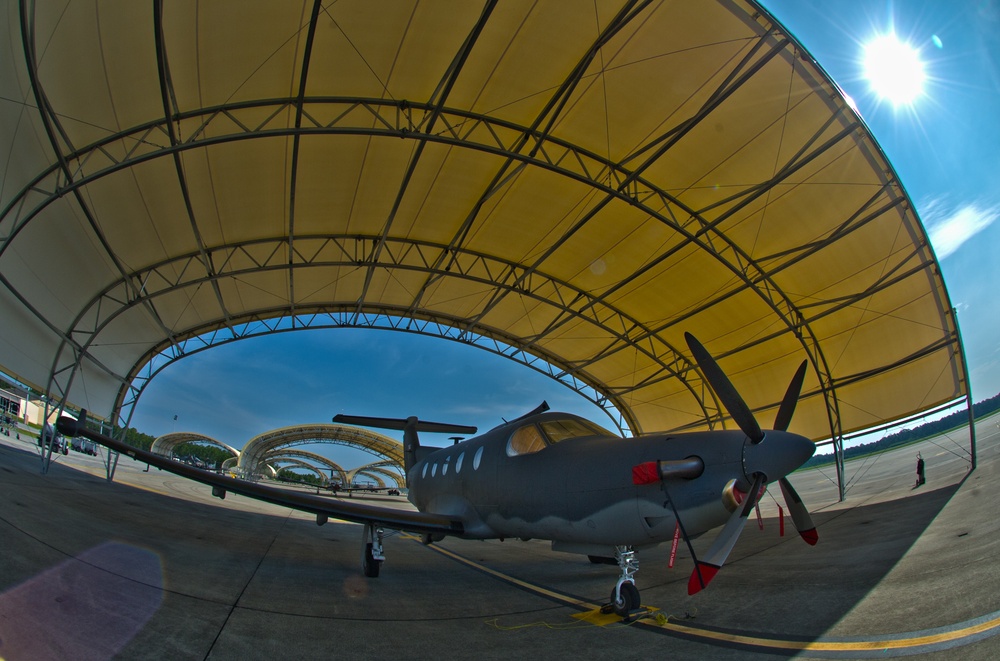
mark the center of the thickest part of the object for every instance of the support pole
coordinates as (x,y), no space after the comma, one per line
(47,441)
(968,392)
(838,453)
(972,431)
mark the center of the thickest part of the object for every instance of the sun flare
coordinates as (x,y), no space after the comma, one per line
(894,69)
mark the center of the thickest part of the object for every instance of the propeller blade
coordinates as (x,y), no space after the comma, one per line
(800,515)
(705,570)
(725,390)
(787,408)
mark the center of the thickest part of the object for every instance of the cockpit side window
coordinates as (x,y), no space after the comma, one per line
(525,440)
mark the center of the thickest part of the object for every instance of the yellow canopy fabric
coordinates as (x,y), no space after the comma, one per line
(585,181)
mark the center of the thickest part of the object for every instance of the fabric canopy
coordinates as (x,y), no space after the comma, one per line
(582,182)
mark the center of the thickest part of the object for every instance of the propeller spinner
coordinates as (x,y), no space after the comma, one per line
(782,453)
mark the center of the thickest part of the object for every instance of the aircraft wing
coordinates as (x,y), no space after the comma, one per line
(386,517)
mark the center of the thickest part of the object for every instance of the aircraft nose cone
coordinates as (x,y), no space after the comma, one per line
(780,453)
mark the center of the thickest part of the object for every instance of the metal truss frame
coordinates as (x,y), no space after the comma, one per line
(378,471)
(283,453)
(434,122)
(278,463)
(165,444)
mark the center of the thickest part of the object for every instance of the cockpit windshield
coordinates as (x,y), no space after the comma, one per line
(560,430)
(532,437)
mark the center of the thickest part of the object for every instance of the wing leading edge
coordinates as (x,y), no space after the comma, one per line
(407,520)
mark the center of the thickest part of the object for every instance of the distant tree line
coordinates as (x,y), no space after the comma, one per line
(133,437)
(918,433)
(210,454)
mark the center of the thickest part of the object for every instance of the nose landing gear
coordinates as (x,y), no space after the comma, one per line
(625,596)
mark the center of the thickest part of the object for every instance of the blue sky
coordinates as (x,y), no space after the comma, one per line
(944,146)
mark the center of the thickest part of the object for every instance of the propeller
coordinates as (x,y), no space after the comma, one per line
(705,570)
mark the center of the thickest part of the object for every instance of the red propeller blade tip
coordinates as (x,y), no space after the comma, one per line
(708,572)
(811,536)
(646,473)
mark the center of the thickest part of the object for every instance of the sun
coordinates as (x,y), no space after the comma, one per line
(894,70)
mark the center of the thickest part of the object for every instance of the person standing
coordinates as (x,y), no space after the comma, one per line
(920,471)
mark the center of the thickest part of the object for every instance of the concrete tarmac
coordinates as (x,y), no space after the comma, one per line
(150,566)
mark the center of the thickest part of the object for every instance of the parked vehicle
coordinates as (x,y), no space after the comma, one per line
(49,436)
(80,444)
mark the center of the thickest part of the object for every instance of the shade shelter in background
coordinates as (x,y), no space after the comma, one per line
(166,443)
(572,185)
(313,460)
(275,444)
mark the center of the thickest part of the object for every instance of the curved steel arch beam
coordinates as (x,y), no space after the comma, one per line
(440,326)
(257,449)
(382,468)
(166,443)
(276,466)
(369,473)
(303,455)
(168,99)
(62,167)
(404,255)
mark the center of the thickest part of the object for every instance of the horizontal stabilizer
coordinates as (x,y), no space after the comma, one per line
(401,423)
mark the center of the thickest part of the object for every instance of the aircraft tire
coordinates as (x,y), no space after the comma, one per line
(371,566)
(629,600)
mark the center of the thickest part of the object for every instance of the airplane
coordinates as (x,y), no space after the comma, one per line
(562,478)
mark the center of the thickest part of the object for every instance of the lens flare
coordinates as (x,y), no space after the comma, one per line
(894,69)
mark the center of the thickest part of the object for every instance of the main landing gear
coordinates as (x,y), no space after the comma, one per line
(372,555)
(625,596)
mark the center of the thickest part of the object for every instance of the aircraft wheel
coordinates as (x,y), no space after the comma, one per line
(371,565)
(629,600)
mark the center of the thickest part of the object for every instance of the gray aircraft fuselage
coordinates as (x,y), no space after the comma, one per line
(579,492)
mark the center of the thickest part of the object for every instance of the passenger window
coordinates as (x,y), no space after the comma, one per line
(526,440)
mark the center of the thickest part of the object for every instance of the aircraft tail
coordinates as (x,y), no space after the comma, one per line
(409,426)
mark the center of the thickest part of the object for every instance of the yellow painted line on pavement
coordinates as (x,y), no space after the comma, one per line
(873,644)
(531,587)
(853,647)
